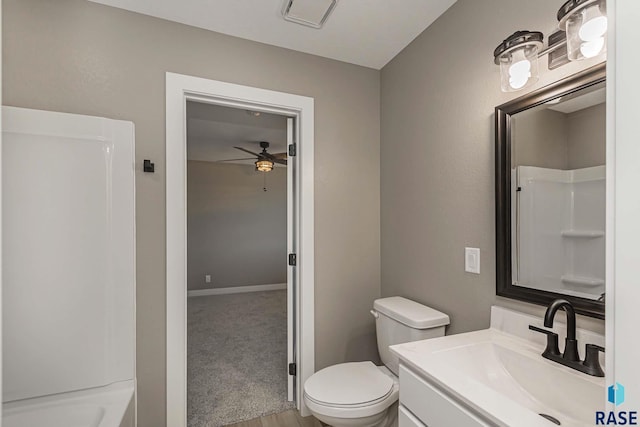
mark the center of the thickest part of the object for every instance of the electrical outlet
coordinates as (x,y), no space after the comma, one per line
(207,278)
(472,260)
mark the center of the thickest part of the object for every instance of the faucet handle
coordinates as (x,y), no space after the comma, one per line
(542,331)
(552,342)
(592,360)
(595,347)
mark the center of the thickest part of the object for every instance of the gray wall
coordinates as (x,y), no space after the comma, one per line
(437,178)
(551,139)
(539,138)
(81,57)
(587,136)
(236,232)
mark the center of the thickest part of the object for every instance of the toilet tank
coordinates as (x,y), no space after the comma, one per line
(400,320)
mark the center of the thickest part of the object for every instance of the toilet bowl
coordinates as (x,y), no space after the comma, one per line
(361,394)
(352,394)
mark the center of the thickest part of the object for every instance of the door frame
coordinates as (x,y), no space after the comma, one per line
(179,89)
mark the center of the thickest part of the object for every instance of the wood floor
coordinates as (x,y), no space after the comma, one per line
(290,418)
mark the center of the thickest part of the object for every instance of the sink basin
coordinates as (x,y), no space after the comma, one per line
(531,381)
(505,379)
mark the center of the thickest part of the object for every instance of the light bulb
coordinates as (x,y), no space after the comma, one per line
(592,48)
(519,73)
(518,60)
(585,23)
(591,32)
(593,29)
(518,82)
(594,24)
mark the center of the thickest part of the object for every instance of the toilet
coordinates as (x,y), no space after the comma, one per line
(361,394)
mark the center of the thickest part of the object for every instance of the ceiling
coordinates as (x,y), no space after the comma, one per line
(213,131)
(580,102)
(363,32)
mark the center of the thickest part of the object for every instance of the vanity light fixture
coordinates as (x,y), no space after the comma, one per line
(264,165)
(582,35)
(585,22)
(518,59)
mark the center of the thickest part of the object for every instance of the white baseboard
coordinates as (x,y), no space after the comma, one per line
(236,290)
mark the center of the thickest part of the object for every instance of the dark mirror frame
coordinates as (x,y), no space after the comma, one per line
(503,113)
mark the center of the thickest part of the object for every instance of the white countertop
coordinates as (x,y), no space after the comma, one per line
(485,369)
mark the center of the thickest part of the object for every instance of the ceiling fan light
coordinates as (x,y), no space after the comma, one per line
(264,165)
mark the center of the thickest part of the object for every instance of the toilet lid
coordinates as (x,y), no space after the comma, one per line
(348,384)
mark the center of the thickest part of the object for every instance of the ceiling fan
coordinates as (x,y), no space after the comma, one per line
(264,160)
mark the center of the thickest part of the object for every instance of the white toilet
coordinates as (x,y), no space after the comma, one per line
(361,394)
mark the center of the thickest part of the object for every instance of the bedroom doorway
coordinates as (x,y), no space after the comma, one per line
(237,336)
(300,254)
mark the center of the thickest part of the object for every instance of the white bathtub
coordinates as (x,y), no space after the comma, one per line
(95,407)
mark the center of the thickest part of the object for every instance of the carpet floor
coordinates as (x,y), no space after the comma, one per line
(236,357)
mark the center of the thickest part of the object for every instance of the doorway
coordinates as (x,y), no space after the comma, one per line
(300,277)
(237,335)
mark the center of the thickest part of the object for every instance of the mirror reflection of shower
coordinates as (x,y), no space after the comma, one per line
(558,194)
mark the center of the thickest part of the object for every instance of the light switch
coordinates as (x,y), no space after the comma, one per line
(472,260)
(207,278)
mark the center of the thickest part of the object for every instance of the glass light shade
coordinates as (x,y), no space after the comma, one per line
(518,60)
(519,69)
(585,23)
(264,165)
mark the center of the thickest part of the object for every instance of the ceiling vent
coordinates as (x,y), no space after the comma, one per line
(310,13)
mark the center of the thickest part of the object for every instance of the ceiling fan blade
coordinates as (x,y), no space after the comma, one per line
(247,151)
(233,160)
(282,156)
(280,161)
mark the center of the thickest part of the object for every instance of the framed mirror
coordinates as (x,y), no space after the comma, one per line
(550,194)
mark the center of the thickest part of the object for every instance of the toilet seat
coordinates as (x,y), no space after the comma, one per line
(351,390)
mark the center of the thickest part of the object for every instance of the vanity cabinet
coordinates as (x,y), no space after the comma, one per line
(407,419)
(423,405)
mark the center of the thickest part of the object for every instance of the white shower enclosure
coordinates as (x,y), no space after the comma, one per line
(69,269)
(558,241)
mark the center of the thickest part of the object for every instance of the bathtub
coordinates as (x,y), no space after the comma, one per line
(96,407)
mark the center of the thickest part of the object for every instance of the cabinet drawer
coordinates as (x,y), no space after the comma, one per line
(407,419)
(431,406)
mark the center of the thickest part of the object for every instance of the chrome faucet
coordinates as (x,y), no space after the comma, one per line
(570,357)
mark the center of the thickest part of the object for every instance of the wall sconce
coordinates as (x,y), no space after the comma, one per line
(518,59)
(264,165)
(583,25)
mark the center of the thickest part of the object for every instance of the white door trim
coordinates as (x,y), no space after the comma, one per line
(292,276)
(179,89)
